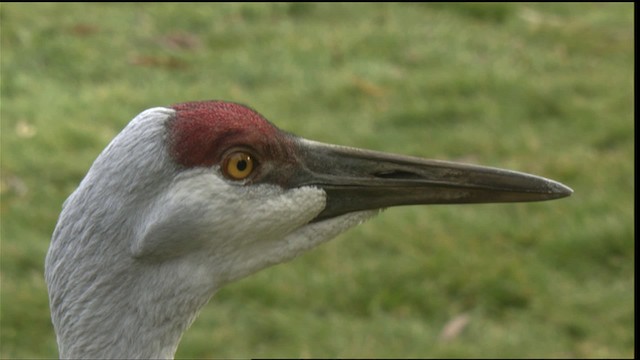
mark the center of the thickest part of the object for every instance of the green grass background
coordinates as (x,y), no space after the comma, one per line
(541,88)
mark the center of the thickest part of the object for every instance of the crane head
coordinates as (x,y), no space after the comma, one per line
(190,197)
(276,191)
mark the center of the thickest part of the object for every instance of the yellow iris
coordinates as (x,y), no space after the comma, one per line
(238,165)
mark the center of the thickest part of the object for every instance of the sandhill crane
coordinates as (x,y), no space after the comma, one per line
(191,197)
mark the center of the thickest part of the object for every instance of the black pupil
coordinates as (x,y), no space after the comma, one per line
(241,165)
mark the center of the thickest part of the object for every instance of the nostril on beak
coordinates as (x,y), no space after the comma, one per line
(397,174)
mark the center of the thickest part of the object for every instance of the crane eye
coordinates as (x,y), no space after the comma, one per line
(238,165)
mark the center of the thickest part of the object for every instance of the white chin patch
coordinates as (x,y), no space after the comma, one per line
(313,234)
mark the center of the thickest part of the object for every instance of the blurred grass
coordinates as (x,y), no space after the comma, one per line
(541,88)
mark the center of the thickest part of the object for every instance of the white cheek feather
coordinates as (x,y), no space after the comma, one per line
(295,236)
(187,218)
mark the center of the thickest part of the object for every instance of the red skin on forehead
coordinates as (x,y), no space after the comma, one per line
(203,131)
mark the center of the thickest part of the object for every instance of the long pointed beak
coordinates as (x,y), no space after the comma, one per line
(356,179)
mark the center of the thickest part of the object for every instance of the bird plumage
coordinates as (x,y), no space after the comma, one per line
(160,221)
(138,249)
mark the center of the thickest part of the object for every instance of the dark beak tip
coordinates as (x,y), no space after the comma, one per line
(560,190)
